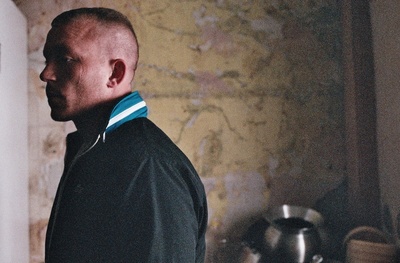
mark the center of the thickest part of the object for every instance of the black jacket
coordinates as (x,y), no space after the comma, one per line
(134,197)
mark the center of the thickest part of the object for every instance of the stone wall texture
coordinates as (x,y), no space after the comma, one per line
(250,90)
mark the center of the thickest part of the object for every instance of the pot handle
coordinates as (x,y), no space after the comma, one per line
(254,236)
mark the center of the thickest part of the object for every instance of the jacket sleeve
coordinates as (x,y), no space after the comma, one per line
(162,215)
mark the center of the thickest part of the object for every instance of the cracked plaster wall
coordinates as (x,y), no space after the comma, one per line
(250,90)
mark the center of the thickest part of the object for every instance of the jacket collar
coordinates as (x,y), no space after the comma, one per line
(129,108)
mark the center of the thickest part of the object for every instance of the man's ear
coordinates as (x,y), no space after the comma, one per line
(119,69)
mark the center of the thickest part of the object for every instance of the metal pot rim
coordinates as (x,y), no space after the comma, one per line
(291,211)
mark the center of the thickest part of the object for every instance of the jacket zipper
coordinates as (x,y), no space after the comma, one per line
(61,189)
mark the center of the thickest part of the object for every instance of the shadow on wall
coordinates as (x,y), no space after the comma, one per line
(229,247)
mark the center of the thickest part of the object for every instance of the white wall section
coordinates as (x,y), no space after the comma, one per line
(14,211)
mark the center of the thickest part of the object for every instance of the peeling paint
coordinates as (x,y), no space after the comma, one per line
(250,90)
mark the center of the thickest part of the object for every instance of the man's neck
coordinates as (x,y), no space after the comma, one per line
(92,123)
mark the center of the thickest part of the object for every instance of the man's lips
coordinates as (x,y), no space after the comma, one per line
(52,93)
(54,98)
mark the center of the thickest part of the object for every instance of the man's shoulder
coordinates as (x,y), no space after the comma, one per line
(142,128)
(142,131)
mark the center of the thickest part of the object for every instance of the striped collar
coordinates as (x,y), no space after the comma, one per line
(129,108)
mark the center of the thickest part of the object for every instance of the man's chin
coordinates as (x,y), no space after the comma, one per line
(59,117)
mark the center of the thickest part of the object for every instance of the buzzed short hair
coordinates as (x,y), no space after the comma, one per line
(107,16)
(101,14)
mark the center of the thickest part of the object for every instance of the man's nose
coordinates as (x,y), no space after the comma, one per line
(48,73)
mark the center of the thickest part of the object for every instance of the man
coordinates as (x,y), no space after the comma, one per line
(127,193)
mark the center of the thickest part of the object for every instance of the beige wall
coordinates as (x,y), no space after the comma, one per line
(251,91)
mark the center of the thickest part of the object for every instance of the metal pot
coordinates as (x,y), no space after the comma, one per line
(288,234)
(293,234)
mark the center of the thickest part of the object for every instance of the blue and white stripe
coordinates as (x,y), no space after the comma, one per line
(129,108)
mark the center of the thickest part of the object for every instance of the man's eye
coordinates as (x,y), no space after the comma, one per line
(65,59)
(68,59)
